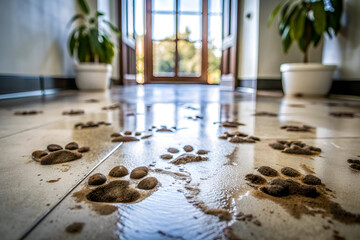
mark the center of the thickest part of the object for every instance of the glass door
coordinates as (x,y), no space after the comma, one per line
(176,41)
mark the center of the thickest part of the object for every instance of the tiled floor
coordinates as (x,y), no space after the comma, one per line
(33,208)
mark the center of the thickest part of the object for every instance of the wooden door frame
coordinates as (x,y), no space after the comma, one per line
(148,56)
(125,42)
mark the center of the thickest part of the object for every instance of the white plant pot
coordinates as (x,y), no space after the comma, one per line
(93,76)
(307,79)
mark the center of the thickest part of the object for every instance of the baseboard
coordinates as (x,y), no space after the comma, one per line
(13,86)
(343,87)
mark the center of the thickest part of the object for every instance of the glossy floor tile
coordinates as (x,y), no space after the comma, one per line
(177,208)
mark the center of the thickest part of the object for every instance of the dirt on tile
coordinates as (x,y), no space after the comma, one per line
(83,149)
(72,146)
(146,136)
(115,191)
(267,171)
(300,199)
(147,183)
(29,112)
(73,112)
(75,227)
(104,209)
(307,169)
(112,107)
(202,152)
(355,166)
(223,214)
(53,180)
(187,158)
(229,234)
(54,147)
(311,180)
(166,156)
(188,148)
(91,124)
(97,179)
(342,114)
(255,179)
(115,135)
(164,129)
(290,172)
(127,132)
(265,114)
(295,147)
(125,139)
(231,124)
(119,171)
(173,150)
(139,172)
(92,100)
(295,128)
(37,155)
(60,156)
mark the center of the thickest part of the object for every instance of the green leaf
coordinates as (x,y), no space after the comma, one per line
(113,28)
(84,6)
(275,12)
(92,20)
(95,44)
(286,21)
(98,13)
(286,39)
(298,24)
(72,43)
(83,48)
(75,17)
(319,17)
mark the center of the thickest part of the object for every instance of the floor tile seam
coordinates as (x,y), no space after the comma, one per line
(52,208)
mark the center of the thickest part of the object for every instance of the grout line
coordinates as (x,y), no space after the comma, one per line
(44,215)
(28,129)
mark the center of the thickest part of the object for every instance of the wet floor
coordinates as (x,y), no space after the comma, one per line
(182,204)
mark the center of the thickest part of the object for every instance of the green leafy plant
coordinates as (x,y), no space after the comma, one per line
(306,21)
(89,42)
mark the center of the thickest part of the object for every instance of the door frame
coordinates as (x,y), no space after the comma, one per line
(148,52)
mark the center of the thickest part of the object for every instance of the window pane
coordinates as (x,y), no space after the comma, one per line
(189,58)
(163,5)
(214,60)
(215,31)
(163,58)
(130,19)
(215,6)
(190,6)
(190,27)
(163,26)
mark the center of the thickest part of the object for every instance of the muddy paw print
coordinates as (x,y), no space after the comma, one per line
(296,128)
(126,136)
(56,154)
(295,147)
(116,189)
(91,124)
(73,112)
(354,164)
(185,157)
(239,137)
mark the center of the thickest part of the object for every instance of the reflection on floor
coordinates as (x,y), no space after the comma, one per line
(230,184)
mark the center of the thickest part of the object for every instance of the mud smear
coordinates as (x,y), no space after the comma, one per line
(112,107)
(187,158)
(296,105)
(30,112)
(53,181)
(92,100)
(295,147)
(73,112)
(295,128)
(223,214)
(231,124)
(354,164)
(75,227)
(231,157)
(342,114)
(90,124)
(302,199)
(307,169)
(229,234)
(125,139)
(265,114)
(239,137)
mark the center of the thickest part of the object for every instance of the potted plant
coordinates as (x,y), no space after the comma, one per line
(93,48)
(305,22)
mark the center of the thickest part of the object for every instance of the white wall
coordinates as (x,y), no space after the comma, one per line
(271,54)
(248,40)
(260,49)
(344,50)
(34,34)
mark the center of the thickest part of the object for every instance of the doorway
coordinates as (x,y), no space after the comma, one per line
(178,48)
